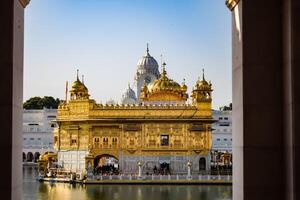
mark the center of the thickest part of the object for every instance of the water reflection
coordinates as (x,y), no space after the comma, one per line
(40,191)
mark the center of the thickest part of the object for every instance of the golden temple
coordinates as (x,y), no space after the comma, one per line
(160,130)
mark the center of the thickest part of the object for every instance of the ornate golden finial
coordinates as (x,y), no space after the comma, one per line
(66,91)
(77,74)
(183,81)
(164,69)
(203,75)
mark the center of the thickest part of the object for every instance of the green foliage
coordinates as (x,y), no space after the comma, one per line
(40,103)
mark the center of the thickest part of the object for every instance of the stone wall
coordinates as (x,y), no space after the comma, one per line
(72,160)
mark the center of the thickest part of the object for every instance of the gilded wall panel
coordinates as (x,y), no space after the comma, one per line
(138,137)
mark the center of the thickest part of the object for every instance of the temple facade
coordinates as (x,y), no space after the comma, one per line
(160,131)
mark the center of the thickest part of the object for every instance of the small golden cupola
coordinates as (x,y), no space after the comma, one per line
(79,91)
(164,90)
(201,94)
(183,86)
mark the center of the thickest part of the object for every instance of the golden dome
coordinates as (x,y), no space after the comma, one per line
(79,90)
(78,86)
(164,84)
(164,89)
(202,84)
(183,86)
(202,91)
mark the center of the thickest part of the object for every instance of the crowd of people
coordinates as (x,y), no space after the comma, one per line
(163,170)
(109,169)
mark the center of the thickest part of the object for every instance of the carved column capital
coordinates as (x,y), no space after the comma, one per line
(232,3)
(24,3)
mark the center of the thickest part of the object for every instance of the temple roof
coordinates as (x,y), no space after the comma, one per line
(164,89)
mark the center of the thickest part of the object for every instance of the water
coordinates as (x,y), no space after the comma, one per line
(33,190)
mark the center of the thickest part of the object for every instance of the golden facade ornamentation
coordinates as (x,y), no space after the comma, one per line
(202,92)
(79,90)
(153,134)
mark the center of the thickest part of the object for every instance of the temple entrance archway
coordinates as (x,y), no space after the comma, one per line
(202,164)
(106,164)
(164,168)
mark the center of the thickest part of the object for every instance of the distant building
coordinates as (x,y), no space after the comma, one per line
(222,131)
(38,128)
(129,96)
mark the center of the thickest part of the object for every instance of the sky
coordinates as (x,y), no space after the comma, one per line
(104,39)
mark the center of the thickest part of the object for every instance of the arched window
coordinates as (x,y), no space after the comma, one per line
(202,164)
(114,141)
(29,157)
(96,139)
(105,141)
(96,142)
(36,156)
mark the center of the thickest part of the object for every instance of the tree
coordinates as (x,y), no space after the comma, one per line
(224,108)
(40,103)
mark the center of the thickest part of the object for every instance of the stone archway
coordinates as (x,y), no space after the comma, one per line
(106,164)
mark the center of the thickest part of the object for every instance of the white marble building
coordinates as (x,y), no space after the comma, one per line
(129,96)
(72,160)
(147,72)
(38,128)
(222,131)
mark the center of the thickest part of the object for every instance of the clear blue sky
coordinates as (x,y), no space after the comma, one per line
(104,39)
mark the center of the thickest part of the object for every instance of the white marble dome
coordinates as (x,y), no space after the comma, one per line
(129,96)
(147,64)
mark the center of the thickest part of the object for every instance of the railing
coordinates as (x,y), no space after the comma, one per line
(224,178)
